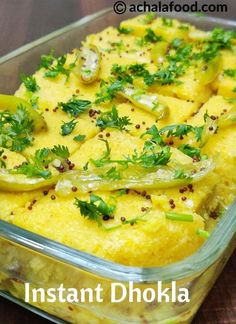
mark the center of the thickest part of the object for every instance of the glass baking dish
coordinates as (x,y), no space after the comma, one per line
(27,257)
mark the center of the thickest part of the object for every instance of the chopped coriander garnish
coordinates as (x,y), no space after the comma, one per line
(47,60)
(177,130)
(184,27)
(79,138)
(30,83)
(191,151)
(67,128)
(156,137)
(219,39)
(151,37)
(150,159)
(167,22)
(59,68)
(230,73)
(108,92)
(181,130)
(169,74)
(182,53)
(208,52)
(146,159)
(126,74)
(230,100)
(149,18)
(16,130)
(37,165)
(74,107)
(112,173)
(139,41)
(61,151)
(88,71)
(123,30)
(121,192)
(180,174)
(122,73)
(111,119)
(137,69)
(34,102)
(176,42)
(105,157)
(198,132)
(179,217)
(96,209)
(116,46)
(223,38)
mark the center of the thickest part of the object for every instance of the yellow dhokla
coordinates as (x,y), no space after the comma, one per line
(140,227)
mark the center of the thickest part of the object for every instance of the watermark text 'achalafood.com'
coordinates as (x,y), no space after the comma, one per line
(120,7)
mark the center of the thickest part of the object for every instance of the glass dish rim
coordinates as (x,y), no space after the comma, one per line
(196,263)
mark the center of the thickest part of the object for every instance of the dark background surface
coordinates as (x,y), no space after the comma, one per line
(22,21)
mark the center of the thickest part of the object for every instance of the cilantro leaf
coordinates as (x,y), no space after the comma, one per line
(79,138)
(121,72)
(61,151)
(177,130)
(149,18)
(180,174)
(156,136)
(108,92)
(37,165)
(67,128)
(191,151)
(176,43)
(230,73)
(223,38)
(96,209)
(47,60)
(123,30)
(59,68)
(219,39)
(169,74)
(116,47)
(146,159)
(151,37)
(16,130)
(167,22)
(112,173)
(30,83)
(111,119)
(152,159)
(105,157)
(74,107)
(34,102)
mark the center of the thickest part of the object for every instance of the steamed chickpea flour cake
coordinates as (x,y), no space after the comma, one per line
(125,148)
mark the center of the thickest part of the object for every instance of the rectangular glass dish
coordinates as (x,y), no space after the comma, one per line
(28,257)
